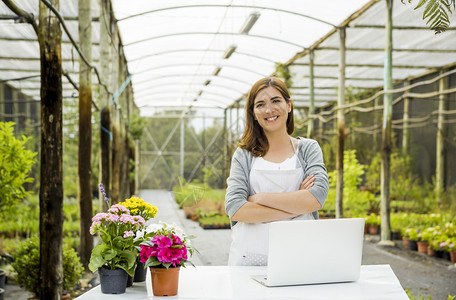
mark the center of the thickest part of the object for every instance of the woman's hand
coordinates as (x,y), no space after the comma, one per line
(308,182)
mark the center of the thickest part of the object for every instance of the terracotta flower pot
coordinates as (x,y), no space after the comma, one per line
(430,251)
(373,229)
(453,256)
(422,246)
(165,281)
(405,241)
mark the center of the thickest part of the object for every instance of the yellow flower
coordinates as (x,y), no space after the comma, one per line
(138,206)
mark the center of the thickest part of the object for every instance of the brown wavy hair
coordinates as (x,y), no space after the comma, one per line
(253,139)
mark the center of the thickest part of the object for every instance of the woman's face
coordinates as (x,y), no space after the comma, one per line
(271,110)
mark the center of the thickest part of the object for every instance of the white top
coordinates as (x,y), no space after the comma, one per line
(221,282)
(260,163)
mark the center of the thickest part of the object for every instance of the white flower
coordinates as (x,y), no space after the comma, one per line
(139,235)
(154,227)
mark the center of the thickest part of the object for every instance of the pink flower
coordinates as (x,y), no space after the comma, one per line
(128,233)
(115,209)
(162,241)
(139,220)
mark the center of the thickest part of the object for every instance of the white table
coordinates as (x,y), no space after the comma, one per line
(213,282)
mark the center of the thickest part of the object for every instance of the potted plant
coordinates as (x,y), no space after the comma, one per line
(373,223)
(452,249)
(115,256)
(413,235)
(423,239)
(139,207)
(164,250)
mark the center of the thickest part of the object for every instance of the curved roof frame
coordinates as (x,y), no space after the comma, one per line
(187,41)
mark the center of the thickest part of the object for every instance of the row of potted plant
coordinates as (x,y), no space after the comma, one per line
(434,234)
(131,243)
(435,241)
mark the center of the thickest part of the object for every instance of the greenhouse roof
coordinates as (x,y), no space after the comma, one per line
(185,53)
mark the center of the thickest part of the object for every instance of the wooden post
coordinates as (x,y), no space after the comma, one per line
(85,132)
(115,126)
(182,132)
(385,236)
(137,165)
(311,126)
(406,129)
(340,128)
(225,148)
(51,176)
(115,178)
(440,143)
(2,102)
(105,113)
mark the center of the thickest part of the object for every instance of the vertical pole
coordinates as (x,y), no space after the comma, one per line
(311,126)
(105,113)
(376,121)
(204,140)
(406,129)
(85,131)
(2,102)
(340,127)
(225,148)
(115,124)
(440,143)
(51,176)
(237,121)
(137,165)
(385,236)
(182,147)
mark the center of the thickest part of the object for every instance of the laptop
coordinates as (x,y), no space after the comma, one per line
(314,251)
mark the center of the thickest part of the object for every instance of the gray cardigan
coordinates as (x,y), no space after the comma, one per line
(311,158)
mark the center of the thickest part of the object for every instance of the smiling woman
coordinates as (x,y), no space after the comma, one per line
(273,176)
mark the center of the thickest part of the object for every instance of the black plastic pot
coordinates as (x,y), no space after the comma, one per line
(2,293)
(2,279)
(140,272)
(113,281)
(413,245)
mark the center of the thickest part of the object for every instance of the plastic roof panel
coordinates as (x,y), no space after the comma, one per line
(174,47)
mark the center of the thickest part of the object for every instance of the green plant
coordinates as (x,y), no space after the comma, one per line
(136,126)
(372,219)
(437,13)
(15,164)
(356,202)
(27,265)
(413,297)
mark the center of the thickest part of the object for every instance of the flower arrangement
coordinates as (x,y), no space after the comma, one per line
(117,229)
(164,246)
(138,207)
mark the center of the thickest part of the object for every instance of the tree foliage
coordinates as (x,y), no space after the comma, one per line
(437,13)
(15,164)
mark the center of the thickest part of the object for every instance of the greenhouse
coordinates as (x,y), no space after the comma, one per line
(125,103)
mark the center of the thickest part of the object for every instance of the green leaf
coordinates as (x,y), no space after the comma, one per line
(422,2)
(110,254)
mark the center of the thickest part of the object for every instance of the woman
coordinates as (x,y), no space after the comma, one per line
(273,176)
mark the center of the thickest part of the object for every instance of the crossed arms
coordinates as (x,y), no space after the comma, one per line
(268,207)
